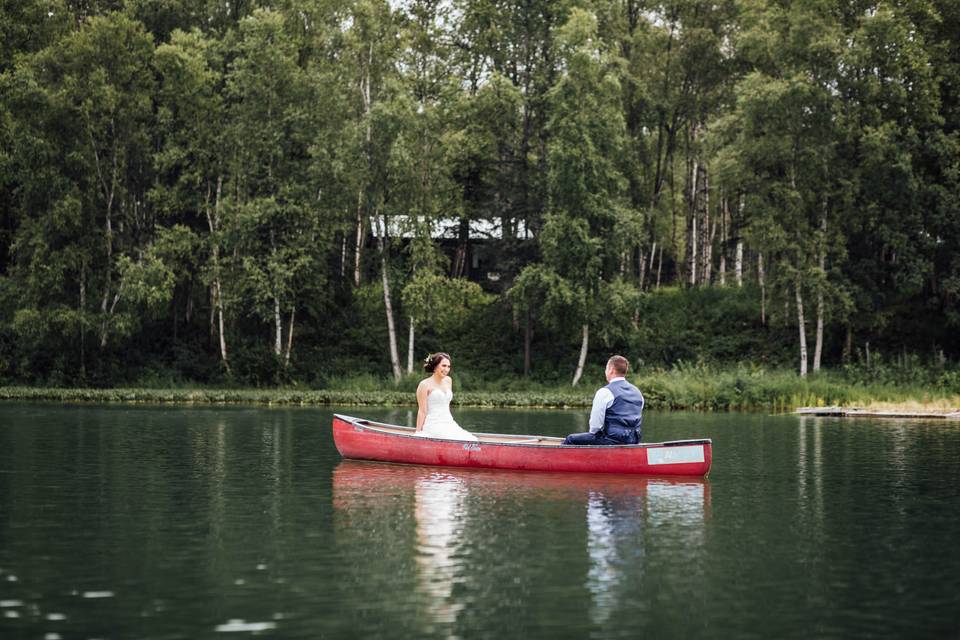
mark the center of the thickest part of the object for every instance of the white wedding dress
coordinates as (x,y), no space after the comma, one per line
(439,423)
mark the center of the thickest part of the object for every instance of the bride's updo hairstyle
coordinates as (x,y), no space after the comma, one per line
(432,360)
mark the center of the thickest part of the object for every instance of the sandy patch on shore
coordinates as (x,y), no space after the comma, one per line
(949,405)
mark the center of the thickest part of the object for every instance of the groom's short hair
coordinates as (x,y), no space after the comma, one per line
(619,364)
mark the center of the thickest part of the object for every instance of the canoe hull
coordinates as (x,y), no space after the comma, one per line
(362,440)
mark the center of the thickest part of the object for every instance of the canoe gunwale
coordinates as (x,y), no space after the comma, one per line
(409,432)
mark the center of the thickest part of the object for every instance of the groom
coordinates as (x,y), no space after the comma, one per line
(617,410)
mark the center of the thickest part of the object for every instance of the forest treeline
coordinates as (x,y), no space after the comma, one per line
(291,191)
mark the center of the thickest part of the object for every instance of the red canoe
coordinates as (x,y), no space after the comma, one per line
(367,440)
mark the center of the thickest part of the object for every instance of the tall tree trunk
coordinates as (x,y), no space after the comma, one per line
(286,355)
(583,354)
(659,266)
(391,329)
(459,266)
(738,263)
(278,329)
(220,327)
(365,95)
(736,225)
(358,241)
(387,300)
(666,131)
(109,187)
(724,215)
(108,311)
(410,348)
(277,317)
(642,265)
(818,348)
(763,290)
(692,243)
(216,291)
(104,302)
(818,345)
(707,270)
(674,233)
(803,329)
(698,211)
(707,229)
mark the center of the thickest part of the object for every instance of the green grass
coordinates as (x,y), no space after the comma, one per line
(293,397)
(745,388)
(698,388)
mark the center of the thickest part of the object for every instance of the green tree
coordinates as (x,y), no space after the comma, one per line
(275,235)
(82,110)
(780,154)
(370,45)
(191,165)
(899,164)
(508,62)
(581,241)
(422,194)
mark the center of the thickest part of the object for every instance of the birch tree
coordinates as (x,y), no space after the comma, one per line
(423,193)
(192,163)
(274,234)
(371,45)
(587,188)
(778,150)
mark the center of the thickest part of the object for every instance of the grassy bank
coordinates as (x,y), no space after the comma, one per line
(781,391)
(295,397)
(694,388)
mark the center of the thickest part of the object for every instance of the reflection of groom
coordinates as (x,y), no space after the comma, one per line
(617,410)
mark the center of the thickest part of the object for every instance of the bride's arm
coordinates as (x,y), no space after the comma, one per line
(422,393)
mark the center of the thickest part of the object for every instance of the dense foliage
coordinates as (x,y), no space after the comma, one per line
(307,191)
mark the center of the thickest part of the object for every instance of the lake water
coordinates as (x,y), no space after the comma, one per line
(220,522)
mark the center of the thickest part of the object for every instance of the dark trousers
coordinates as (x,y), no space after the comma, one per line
(599,438)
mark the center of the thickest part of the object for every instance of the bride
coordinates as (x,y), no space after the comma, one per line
(433,402)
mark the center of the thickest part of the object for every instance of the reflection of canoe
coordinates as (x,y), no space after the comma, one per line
(367,440)
(368,482)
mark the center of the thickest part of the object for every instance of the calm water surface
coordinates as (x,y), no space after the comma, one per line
(159,522)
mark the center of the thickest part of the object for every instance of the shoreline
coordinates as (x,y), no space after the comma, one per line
(708,398)
(866,412)
(302,398)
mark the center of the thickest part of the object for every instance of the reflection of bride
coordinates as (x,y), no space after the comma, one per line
(433,402)
(439,511)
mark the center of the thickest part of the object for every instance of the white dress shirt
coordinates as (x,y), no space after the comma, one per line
(602,400)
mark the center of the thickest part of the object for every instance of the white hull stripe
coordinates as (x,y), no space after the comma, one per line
(674,455)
